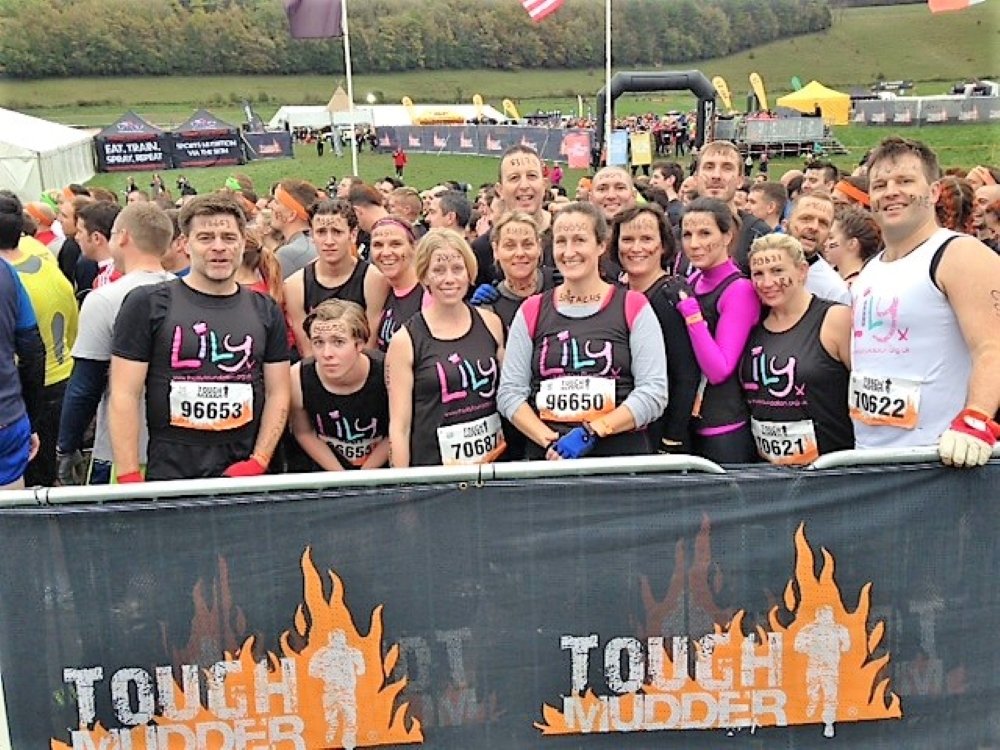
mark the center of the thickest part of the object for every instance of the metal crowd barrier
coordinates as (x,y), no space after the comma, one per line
(470,475)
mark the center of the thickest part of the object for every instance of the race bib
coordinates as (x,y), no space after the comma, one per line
(786,443)
(575,398)
(197,405)
(355,453)
(892,402)
(478,442)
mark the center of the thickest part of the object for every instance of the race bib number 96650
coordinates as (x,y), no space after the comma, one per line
(575,399)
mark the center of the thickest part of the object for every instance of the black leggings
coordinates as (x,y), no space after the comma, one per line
(734,447)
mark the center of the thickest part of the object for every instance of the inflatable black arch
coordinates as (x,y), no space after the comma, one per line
(692,80)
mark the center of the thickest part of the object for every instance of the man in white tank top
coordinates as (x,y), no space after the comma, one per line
(926,343)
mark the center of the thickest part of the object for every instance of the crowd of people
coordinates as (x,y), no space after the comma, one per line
(370,326)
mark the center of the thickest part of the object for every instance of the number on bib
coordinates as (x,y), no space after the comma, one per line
(891,402)
(199,405)
(478,442)
(575,399)
(786,443)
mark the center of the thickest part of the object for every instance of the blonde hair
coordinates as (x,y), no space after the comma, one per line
(349,314)
(444,239)
(785,242)
(512,217)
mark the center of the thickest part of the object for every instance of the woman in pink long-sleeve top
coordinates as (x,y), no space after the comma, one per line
(720,309)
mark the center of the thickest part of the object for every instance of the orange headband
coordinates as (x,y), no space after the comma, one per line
(281,195)
(248,208)
(852,192)
(983,174)
(68,194)
(37,214)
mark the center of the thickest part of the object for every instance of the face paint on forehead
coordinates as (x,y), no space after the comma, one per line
(698,220)
(644,221)
(574,225)
(385,231)
(521,160)
(516,230)
(329,328)
(447,256)
(768,258)
(219,221)
(328,220)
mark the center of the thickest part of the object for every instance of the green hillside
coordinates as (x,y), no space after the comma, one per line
(894,41)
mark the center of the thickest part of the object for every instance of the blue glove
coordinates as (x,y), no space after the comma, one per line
(485,294)
(576,443)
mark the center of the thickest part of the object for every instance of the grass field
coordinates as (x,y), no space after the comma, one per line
(864,43)
(894,41)
(957,145)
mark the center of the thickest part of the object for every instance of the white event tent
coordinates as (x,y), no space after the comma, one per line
(37,155)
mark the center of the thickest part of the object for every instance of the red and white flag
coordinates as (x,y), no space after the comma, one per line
(539,9)
(941,6)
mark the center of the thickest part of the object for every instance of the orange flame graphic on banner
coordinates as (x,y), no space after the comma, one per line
(704,581)
(822,662)
(321,624)
(217,624)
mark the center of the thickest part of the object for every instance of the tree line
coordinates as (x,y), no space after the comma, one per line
(69,38)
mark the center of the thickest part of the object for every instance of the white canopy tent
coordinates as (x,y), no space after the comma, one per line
(37,155)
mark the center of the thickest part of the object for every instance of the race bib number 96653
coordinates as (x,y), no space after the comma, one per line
(210,406)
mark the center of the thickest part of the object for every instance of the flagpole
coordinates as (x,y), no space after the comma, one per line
(609,99)
(350,87)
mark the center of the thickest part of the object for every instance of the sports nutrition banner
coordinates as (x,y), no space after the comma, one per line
(761,609)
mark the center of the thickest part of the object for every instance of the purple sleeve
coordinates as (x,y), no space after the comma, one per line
(739,311)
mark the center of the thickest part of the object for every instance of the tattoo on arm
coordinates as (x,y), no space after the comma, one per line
(995,300)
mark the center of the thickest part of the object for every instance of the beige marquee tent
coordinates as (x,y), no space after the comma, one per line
(37,155)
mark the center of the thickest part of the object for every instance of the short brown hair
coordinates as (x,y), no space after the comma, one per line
(365,195)
(149,226)
(772,191)
(350,314)
(858,224)
(211,204)
(893,147)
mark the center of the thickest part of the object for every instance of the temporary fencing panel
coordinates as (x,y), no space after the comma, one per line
(929,111)
(755,609)
(552,144)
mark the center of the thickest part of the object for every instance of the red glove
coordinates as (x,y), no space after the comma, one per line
(969,439)
(131,478)
(252,467)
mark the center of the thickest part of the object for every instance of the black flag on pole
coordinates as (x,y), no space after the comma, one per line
(314,19)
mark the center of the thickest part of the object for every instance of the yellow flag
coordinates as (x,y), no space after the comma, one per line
(723,88)
(758,88)
(477,101)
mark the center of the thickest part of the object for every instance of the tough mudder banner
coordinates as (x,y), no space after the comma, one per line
(762,609)
(274,144)
(552,144)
